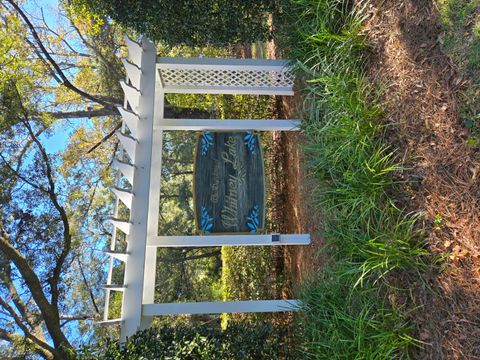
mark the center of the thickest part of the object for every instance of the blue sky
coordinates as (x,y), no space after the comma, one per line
(57,140)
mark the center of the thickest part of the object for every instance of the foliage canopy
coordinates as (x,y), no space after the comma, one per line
(192,23)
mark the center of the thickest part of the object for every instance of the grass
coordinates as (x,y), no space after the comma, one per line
(460,20)
(247,274)
(347,314)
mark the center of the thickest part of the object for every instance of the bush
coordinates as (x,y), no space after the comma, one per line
(238,341)
(192,23)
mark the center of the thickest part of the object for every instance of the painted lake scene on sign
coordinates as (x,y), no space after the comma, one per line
(229,188)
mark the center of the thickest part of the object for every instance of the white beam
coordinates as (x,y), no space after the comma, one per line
(109,322)
(123,225)
(126,196)
(129,144)
(133,73)
(114,287)
(131,94)
(228,240)
(134,50)
(122,256)
(239,90)
(137,239)
(131,119)
(221,307)
(206,63)
(230,124)
(125,168)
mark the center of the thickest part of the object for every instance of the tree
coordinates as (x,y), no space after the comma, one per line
(45,80)
(192,23)
(54,206)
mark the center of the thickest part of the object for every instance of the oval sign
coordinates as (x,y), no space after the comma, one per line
(229,188)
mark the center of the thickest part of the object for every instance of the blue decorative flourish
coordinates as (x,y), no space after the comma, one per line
(207,221)
(207,141)
(250,140)
(252,220)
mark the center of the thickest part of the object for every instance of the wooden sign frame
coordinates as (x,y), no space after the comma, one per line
(260,154)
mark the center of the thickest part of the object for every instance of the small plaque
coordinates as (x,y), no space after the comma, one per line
(229,188)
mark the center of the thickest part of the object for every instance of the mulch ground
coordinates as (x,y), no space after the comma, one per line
(422,113)
(442,181)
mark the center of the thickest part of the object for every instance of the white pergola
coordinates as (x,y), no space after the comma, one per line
(139,163)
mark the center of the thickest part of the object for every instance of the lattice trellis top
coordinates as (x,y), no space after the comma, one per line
(225,75)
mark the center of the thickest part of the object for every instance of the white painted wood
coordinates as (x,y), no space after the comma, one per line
(149,280)
(134,50)
(125,168)
(122,225)
(106,306)
(115,287)
(219,63)
(129,144)
(109,322)
(113,238)
(145,96)
(221,307)
(131,119)
(210,124)
(126,196)
(280,91)
(156,166)
(131,94)
(137,239)
(227,240)
(122,256)
(225,76)
(153,203)
(133,73)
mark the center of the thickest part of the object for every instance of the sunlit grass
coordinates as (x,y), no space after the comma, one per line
(347,314)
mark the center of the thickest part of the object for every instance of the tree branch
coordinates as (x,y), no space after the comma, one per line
(16,338)
(92,297)
(49,312)
(24,328)
(51,192)
(83,113)
(65,81)
(18,302)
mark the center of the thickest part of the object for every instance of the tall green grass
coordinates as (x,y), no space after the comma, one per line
(347,314)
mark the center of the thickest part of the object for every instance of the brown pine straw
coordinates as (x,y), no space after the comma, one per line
(421,91)
(421,99)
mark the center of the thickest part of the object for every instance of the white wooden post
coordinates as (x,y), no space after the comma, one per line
(137,237)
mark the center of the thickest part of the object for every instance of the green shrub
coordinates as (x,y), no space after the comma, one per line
(192,23)
(239,342)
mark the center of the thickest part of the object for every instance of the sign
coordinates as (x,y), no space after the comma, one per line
(229,188)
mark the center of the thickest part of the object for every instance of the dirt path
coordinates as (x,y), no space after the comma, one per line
(421,101)
(290,199)
(293,207)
